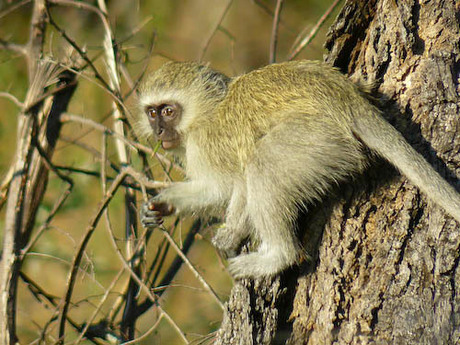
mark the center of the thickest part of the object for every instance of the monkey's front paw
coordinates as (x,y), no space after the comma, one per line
(225,243)
(153,211)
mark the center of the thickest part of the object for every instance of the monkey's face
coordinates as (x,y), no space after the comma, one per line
(163,119)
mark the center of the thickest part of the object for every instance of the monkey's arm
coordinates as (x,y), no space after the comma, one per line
(194,196)
(191,197)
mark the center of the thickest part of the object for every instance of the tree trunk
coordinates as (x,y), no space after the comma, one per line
(386,270)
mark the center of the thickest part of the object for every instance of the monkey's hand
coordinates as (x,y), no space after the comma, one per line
(153,211)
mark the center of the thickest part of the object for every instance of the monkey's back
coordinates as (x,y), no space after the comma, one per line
(309,87)
(261,100)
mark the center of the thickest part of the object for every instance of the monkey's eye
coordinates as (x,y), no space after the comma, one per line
(167,111)
(152,112)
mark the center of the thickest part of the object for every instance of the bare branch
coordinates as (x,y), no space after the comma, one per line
(41,295)
(149,331)
(142,285)
(101,128)
(144,181)
(75,118)
(32,103)
(214,31)
(81,248)
(10,263)
(296,49)
(13,8)
(81,52)
(275,27)
(45,225)
(192,268)
(12,98)
(133,85)
(36,36)
(16,48)
(173,267)
(98,308)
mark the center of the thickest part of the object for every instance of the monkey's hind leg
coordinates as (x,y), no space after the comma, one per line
(294,164)
(237,227)
(272,200)
(270,214)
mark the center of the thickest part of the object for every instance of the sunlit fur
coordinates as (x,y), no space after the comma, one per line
(261,144)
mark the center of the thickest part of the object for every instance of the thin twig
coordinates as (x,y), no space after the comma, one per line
(98,308)
(192,268)
(148,332)
(128,321)
(81,53)
(12,98)
(297,49)
(16,48)
(13,8)
(81,5)
(47,222)
(49,93)
(174,267)
(261,4)
(214,31)
(49,165)
(82,270)
(275,28)
(174,325)
(81,248)
(37,291)
(141,284)
(134,85)
(145,181)
(66,117)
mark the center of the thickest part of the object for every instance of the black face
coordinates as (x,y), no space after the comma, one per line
(163,119)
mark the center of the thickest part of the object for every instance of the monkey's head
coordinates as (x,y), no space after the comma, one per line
(174,96)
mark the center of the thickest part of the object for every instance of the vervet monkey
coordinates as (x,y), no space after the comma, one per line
(262,144)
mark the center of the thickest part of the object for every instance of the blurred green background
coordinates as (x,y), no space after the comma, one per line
(181,29)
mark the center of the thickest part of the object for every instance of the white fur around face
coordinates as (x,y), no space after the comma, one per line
(187,102)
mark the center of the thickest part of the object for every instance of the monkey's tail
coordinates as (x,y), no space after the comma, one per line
(384,139)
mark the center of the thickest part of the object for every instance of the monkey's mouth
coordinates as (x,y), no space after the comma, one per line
(169,144)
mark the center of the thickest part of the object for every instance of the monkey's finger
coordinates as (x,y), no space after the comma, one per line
(150,218)
(151,223)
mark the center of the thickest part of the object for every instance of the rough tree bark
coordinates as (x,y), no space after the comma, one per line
(387,265)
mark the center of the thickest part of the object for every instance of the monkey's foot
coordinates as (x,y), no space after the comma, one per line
(257,265)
